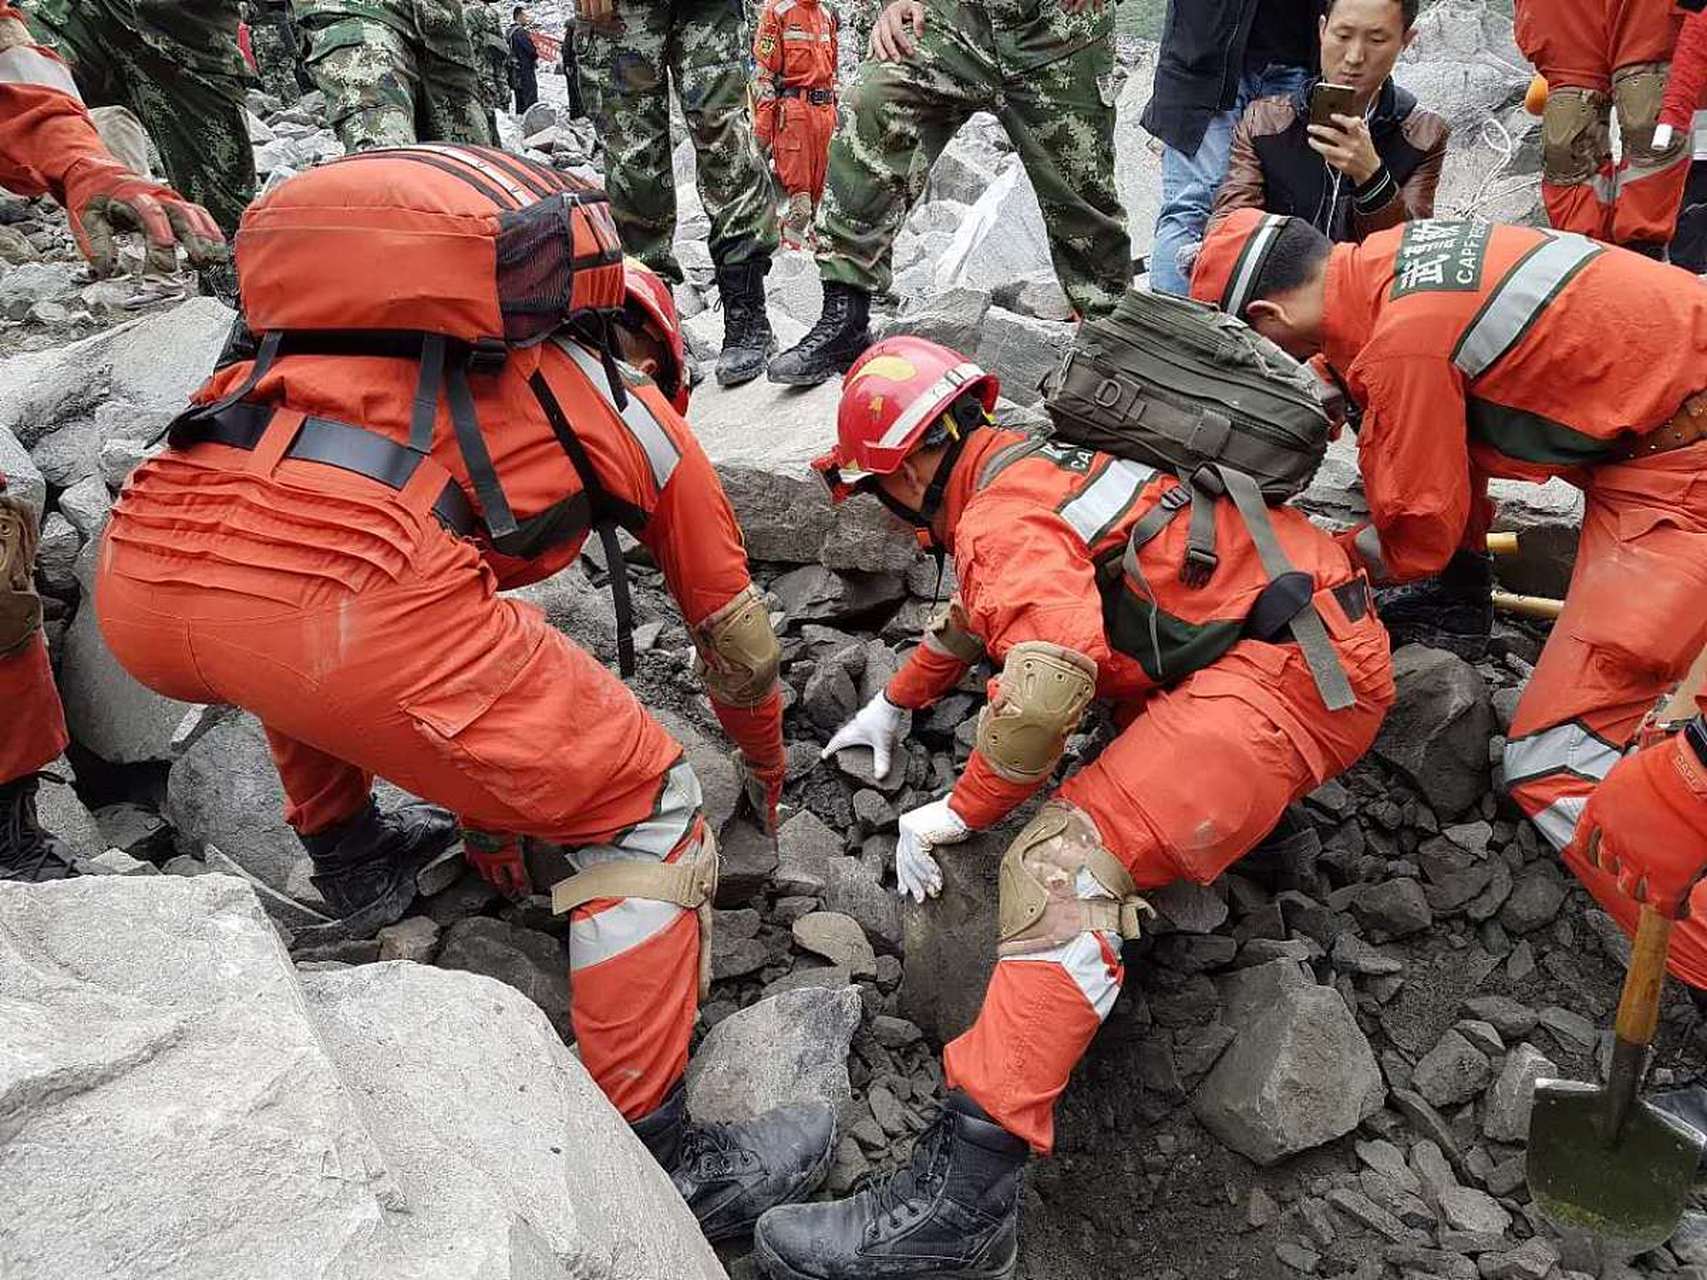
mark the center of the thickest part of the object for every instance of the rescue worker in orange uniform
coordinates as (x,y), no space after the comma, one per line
(1480,351)
(1031,525)
(324,544)
(794,101)
(49,146)
(1596,55)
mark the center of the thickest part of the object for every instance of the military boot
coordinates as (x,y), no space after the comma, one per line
(832,344)
(365,867)
(731,1173)
(953,1214)
(1454,610)
(27,852)
(747,338)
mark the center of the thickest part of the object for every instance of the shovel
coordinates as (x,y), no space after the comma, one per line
(1600,1160)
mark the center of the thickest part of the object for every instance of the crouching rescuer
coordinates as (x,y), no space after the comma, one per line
(1077,582)
(324,543)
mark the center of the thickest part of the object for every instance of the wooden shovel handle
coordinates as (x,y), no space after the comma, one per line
(1639,1006)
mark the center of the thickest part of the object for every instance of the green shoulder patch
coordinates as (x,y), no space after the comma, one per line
(1440,257)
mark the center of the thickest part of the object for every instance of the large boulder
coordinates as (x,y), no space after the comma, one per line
(789,1048)
(762,439)
(950,940)
(1002,240)
(1300,1074)
(1022,350)
(23,478)
(200,1111)
(1437,732)
(1548,522)
(224,791)
(1464,65)
(109,712)
(1138,156)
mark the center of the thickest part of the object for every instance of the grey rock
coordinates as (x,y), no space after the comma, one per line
(23,478)
(1482,1035)
(1466,1209)
(1689,1241)
(839,939)
(1246,993)
(532,962)
(1505,1118)
(950,940)
(1433,1170)
(1452,1072)
(806,848)
(712,764)
(813,593)
(68,453)
(280,906)
(1471,68)
(116,862)
(574,606)
(827,976)
(62,812)
(1191,907)
(538,118)
(1364,1211)
(1510,1018)
(736,957)
(793,289)
(107,710)
(1535,899)
(964,171)
(1437,731)
(32,282)
(415,939)
(792,1047)
(225,791)
(1534,1259)
(1351,954)
(1300,1074)
(748,859)
(56,554)
(850,888)
(86,504)
(1001,240)
(1041,296)
(953,317)
(1388,1161)
(1393,909)
(118,458)
(1022,350)
(1574,1030)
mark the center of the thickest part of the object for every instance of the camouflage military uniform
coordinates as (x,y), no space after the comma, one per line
(1047,76)
(176,66)
(626,73)
(394,71)
(491,52)
(273,37)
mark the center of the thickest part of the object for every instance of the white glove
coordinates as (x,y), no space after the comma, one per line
(922,829)
(880,725)
(1662,136)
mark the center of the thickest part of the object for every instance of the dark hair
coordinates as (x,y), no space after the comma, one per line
(1298,251)
(1408,10)
(518,11)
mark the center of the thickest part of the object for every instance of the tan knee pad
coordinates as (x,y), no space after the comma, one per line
(738,656)
(1576,135)
(1639,92)
(1040,699)
(1042,901)
(20,606)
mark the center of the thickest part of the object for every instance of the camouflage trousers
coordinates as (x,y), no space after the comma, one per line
(1058,111)
(625,75)
(274,41)
(193,115)
(494,78)
(384,89)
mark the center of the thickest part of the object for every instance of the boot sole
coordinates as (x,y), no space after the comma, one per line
(814,1179)
(774,1268)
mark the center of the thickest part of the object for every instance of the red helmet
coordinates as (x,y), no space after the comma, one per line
(647,294)
(890,398)
(1231,260)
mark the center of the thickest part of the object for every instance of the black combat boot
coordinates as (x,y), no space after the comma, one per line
(731,1173)
(27,852)
(365,867)
(747,338)
(1453,610)
(832,344)
(953,1215)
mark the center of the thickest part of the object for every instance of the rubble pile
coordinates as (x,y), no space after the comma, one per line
(1320,1064)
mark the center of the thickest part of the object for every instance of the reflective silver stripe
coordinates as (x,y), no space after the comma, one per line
(1565,748)
(659,834)
(1634,173)
(507,181)
(25,64)
(1558,821)
(661,452)
(1250,263)
(1518,300)
(1083,961)
(929,403)
(617,929)
(1106,499)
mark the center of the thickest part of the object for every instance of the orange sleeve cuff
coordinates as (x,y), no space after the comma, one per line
(756,730)
(982,798)
(924,678)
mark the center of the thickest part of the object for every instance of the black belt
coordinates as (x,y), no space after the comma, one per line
(817,97)
(338,444)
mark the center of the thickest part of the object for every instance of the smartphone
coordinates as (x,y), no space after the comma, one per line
(1328,100)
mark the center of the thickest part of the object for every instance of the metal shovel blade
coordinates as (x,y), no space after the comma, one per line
(1631,1192)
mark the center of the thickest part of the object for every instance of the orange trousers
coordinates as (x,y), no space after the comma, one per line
(1194,782)
(1635,618)
(801,147)
(32,719)
(1584,44)
(369,641)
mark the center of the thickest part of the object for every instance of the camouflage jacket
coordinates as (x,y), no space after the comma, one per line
(198,33)
(484,31)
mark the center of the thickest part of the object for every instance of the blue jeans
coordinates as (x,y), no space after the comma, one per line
(1189,182)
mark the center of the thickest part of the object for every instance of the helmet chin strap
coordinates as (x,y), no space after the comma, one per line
(923,519)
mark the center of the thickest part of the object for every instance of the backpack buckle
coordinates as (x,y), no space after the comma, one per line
(1198,566)
(487,355)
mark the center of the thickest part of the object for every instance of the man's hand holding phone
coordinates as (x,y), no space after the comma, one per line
(1340,135)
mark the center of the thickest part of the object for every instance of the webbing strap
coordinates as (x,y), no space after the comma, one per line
(1307,628)
(688,882)
(500,520)
(426,404)
(1156,519)
(1200,558)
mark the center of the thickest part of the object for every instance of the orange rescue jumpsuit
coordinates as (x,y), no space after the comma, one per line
(369,640)
(44,130)
(1599,52)
(1558,355)
(1204,765)
(794,89)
